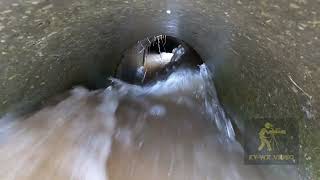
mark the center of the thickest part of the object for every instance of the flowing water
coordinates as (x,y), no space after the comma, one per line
(172,128)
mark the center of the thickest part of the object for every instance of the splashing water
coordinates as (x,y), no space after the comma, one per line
(170,129)
(186,82)
(70,140)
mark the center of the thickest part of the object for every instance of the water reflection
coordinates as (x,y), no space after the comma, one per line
(172,128)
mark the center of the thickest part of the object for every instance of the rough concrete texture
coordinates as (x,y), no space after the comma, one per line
(265,54)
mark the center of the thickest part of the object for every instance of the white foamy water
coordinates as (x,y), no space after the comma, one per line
(171,129)
(70,140)
(186,83)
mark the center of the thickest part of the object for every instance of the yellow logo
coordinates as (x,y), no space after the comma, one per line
(273,142)
(267,137)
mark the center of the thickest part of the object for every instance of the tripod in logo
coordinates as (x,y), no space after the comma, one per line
(267,136)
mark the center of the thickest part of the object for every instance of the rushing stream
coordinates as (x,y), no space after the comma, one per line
(173,128)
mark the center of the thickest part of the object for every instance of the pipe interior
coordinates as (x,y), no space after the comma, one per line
(254,49)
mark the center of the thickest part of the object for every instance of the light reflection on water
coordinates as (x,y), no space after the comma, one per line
(171,129)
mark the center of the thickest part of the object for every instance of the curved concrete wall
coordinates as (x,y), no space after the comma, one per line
(265,54)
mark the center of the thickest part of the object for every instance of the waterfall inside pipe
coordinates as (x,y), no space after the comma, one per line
(185,86)
(173,128)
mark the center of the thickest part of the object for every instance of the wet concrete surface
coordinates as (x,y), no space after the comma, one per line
(265,54)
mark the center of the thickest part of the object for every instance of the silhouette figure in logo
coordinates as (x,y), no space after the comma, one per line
(266,136)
